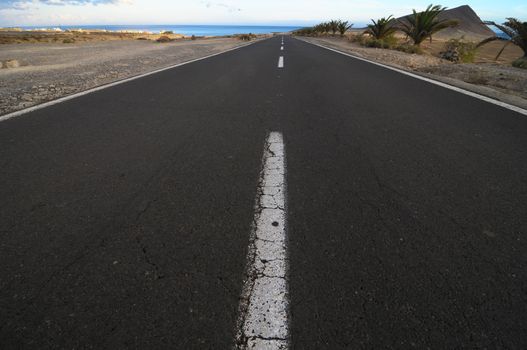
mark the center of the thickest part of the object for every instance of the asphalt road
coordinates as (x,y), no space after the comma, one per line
(125,214)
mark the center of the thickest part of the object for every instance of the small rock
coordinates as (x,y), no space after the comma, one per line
(27,97)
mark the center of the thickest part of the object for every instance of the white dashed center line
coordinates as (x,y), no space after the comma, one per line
(282,48)
(281,62)
(264,307)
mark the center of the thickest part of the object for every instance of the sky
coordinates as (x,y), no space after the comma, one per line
(237,12)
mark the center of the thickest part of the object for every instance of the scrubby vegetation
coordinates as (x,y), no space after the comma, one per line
(164,39)
(459,50)
(387,42)
(408,48)
(381,33)
(246,37)
(418,27)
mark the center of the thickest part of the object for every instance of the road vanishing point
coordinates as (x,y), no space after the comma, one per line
(276,196)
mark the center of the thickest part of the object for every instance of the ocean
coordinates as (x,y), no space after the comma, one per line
(198,30)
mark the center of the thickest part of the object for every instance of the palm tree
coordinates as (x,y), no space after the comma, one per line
(381,28)
(333,26)
(343,27)
(322,28)
(517,33)
(422,25)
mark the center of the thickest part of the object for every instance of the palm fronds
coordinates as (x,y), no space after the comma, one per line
(514,29)
(343,27)
(381,28)
(422,25)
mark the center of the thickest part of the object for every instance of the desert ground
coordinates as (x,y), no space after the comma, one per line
(40,72)
(14,36)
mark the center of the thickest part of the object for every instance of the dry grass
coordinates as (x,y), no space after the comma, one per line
(17,37)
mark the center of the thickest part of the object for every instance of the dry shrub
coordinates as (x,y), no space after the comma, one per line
(164,39)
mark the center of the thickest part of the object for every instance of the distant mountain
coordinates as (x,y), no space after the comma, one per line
(470,25)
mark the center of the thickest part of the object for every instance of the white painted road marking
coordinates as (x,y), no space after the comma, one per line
(432,81)
(281,62)
(282,48)
(264,307)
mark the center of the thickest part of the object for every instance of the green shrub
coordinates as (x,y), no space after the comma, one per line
(167,32)
(413,49)
(68,41)
(376,43)
(457,50)
(357,38)
(520,63)
(388,42)
(310,31)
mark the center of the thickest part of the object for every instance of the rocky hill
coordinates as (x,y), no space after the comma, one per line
(470,25)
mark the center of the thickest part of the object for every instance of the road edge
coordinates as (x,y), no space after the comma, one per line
(114,83)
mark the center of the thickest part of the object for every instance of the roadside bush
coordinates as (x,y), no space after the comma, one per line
(520,63)
(457,50)
(68,41)
(357,38)
(246,37)
(407,48)
(167,32)
(305,32)
(164,39)
(193,37)
(376,43)
(387,42)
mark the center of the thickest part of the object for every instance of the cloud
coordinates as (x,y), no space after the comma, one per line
(228,7)
(24,4)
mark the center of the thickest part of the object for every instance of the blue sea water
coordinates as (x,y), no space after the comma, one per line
(502,35)
(198,30)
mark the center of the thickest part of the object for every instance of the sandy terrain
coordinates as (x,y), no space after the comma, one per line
(25,37)
(50,71)
(497,80)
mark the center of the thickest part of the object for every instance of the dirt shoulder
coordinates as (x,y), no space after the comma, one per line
(498,81)
(45,72)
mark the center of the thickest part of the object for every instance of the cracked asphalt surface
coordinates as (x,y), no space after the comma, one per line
(125,214)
